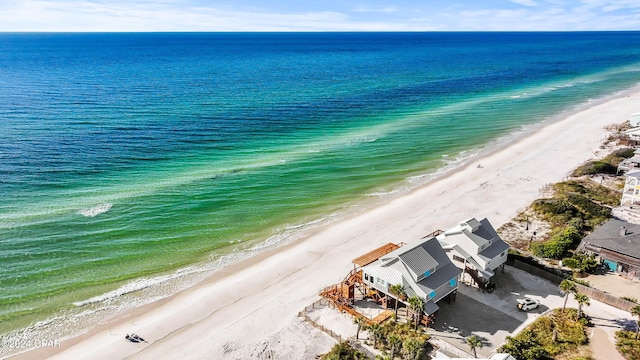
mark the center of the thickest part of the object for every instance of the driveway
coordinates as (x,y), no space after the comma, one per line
(493,317)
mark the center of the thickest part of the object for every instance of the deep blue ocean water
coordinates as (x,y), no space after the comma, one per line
(125,157)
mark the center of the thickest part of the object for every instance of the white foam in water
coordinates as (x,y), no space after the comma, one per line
(137,285)
(96,210)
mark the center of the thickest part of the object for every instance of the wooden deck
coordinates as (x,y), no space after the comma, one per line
(382,317)
(433,234)
(374,255)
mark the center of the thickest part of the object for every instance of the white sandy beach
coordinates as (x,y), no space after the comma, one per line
(249,310)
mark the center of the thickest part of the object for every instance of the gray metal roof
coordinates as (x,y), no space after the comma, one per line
(415,259)
(497,247)
(440,277)
(608,236)
(486,230)
(418,260)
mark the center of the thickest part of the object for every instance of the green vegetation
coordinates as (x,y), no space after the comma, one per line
(577,207)
(361,323)
(398,291)
(567,287)
(343,351)
(474,342)
(635,311)
(581,262)
(559,244)
(416,304)
(608,165)
(581,282)
(629,298)
(401,339)
(583,300)
(548,336)
(627,341)
(628,345)
(582,203)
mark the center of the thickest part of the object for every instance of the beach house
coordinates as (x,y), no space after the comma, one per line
(422,268)
(632,163)
(475,247)
(617,245)
(631,190)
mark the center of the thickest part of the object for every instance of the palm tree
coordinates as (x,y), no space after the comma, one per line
(416,304)
(411,348)
(474,342)
(375,330)
(636,311)
(361,323)
(582,299)
(398,291)
(394,341)
(567,287)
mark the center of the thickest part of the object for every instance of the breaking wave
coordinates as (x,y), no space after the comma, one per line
(96,210)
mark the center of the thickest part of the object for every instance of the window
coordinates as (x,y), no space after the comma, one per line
(432,295)
(380,281)
(502,255)
(427,273)
(453,282)
(366,277)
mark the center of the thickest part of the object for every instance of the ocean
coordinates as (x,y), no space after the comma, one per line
(134,164)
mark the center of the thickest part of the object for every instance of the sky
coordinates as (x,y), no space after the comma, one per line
(317,15)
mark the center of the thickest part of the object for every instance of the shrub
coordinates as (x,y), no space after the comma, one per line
(581,262)
(537,340)
(555,210)
(558,245)
(581,282)
(577,199)
(627,344)
(343,351)
(629,298)
(595,167)
(608,165)
(623,153)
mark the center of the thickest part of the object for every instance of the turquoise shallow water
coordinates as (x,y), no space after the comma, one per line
(125,157)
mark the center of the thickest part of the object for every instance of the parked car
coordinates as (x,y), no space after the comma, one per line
(526,304)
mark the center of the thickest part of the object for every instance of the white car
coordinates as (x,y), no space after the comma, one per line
(526,304)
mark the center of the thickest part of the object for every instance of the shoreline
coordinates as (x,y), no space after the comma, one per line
(269,289)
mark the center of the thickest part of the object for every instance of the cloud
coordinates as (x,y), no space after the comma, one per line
(243,15)
(531,3)
(386,10)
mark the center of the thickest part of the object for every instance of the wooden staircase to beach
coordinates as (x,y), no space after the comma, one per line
(342,295)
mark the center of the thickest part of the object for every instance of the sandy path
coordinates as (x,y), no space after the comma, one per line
(602,347)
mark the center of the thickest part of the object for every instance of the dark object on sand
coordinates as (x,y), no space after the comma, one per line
(134,338)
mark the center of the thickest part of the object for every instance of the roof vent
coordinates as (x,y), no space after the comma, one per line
(623,231)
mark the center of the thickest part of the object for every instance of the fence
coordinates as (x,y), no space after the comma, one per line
(603,297)
(320,327)
(537,271)
(324,302)
(592,293)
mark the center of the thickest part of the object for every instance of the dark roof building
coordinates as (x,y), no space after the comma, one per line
(617,243)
